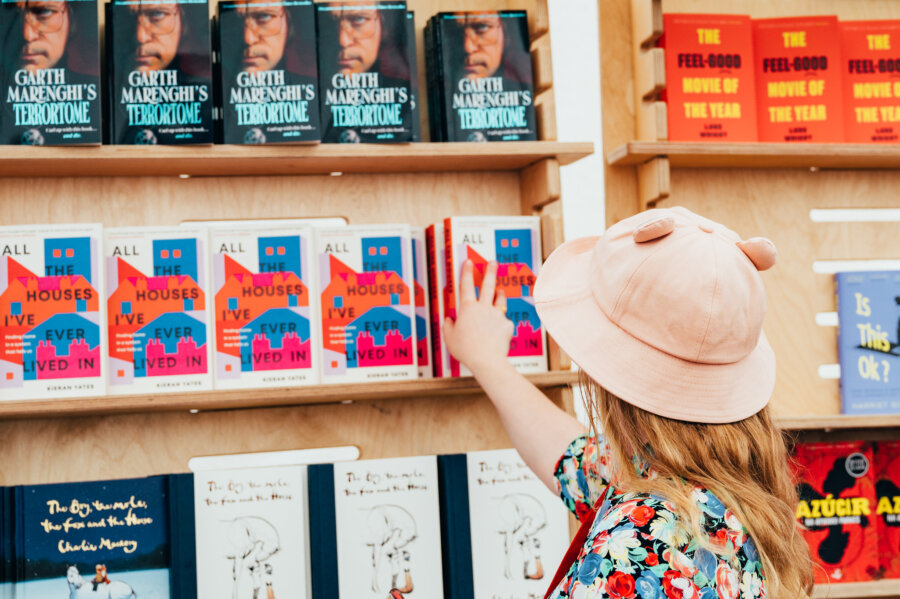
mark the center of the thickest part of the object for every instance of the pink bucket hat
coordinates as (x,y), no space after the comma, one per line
(665,310)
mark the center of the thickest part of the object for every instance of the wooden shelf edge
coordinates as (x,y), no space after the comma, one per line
(858,590)
(258,398)
(322,159)
(839,421)
(758,155)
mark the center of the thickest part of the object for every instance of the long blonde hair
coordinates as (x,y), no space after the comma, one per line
(744,464)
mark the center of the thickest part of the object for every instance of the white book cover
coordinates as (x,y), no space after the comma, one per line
(52,314)
(265,306)
(422,300)
(520,530)
(388,528)
(159,329)
(514,242)
(252,533)
(367,319)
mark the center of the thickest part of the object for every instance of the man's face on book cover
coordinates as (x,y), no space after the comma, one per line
(157,33)
(359,36)
(265,34)
(44,27)
(483,44)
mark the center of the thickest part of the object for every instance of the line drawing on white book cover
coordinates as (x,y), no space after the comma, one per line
(253,541)
(391,529)
(520,518)
(100,587)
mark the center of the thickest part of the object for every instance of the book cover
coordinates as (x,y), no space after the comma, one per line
(887,489)
(265,314)
(515,243)
(162,90)
(251,533)
(367,311)
(422,297)
(485,74)
(382,518)
(869,341)
(871,55)
(798,79)
(269,77)
(51,73)
(364,72)
(106,538)
(710,86)
(158,322)
(435,250)
(51,312)
(837,504)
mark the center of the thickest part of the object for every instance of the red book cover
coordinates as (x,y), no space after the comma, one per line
(798,79)
(836,488)
(709,77)
(887,488)
(871,64)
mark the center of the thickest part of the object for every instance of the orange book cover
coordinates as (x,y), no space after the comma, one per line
(871,65)
(709,77)
(798,79)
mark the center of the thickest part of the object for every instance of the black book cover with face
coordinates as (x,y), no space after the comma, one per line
(50,72)
(162,89)
(364,72)
(269,71)
(487,77)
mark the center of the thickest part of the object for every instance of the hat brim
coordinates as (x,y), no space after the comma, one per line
(634,371)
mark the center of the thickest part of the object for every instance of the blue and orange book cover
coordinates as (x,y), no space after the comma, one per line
(158,324)
(51,312)
(367,304)
(264,311)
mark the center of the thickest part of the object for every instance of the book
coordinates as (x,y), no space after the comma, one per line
(161,72)
(414,94)
(710,86)
(836,488)
(265,306)
(364,72)
(422,301)
(367,310)
(798,79)
(51,312)
(268,70)
(382,518)
(159,321)
(505,532)
(251,531)
(887,512)
(437,275)
(114,538)
(484,80)
(514,242)
(869,341)
(871,55)
(51,73)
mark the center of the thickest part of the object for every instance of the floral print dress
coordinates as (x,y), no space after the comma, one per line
(635,549)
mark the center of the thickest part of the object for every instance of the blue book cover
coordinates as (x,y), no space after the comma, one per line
(869,341)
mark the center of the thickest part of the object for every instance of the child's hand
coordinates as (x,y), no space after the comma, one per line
(481,334)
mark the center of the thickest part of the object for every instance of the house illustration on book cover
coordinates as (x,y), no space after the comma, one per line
(50,321)
(156,322)
(263,319)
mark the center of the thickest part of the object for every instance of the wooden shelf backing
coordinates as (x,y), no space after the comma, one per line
(259,398)
(858,590)
(323,159)
(758,155)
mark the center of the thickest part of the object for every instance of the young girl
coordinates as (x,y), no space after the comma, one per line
(683,486)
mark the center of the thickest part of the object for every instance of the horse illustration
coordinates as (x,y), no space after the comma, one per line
(390,530)
(253,541)
(82,588)
(521,518)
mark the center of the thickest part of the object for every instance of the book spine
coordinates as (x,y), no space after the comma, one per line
(450,282)
(456,541)
(323,532)
(182,537)
(415,95)
(433,130)
(434,291)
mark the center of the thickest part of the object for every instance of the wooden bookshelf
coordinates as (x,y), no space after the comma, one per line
(858,590)
(757,155)
(839,422)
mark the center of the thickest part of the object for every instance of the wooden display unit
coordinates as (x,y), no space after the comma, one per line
(106,438)
(756,189)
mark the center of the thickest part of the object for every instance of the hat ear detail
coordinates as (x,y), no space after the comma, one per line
(761,252)
(654,229)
